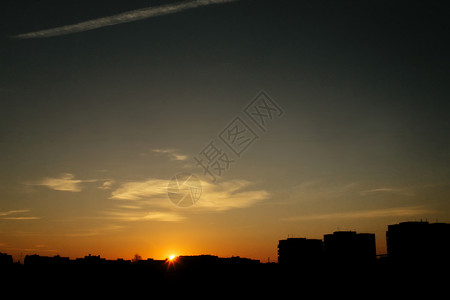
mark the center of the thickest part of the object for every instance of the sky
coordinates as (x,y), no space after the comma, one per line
(274,119)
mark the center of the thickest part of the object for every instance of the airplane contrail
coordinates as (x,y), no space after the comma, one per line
(130,16)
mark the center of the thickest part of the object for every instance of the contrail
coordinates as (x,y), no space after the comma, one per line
(130,16)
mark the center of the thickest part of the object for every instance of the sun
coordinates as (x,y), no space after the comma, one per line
(172,257)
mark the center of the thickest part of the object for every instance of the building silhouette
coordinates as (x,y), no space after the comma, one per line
(213,260)
(35,260)
(300,251)
(349,247)
(346,256)
(5,259)
(418,242)
(92,260)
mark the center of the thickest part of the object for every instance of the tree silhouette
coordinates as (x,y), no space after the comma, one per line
(136,258)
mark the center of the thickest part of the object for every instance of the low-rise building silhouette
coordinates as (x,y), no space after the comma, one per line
(38,260)
(92,260)
(418,242)
(211,260)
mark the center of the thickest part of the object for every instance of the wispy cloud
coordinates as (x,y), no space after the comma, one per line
(229,194)
(95,231)
(107,184)
(67,182)
(325,187)
(10,212)
(215,197)
(407,211)
(17,215)
(320,189)
(398,191)
(148,200)
(21,218)
(139,190)
(171,153)
(133,216)
(125,17)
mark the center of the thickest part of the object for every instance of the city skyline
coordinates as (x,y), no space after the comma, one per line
(417,252)
(409,240)
(221,127)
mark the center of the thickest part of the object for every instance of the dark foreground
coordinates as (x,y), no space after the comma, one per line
(380,278)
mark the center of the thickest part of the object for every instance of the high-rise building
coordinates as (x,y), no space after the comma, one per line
(349,247)
(300,251)
(418,242)
(5,259)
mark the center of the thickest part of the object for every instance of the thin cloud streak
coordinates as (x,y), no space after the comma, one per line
(16,215)
(399,191)
(10,212)
(21,218)
(126,17)
(67,183)
(229,195)
(133,216)
(139,190)
(408,211)
(172,153)
(95,231)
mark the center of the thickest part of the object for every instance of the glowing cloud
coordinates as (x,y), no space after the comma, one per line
(173,155)
(133,216)
(16,215)
(139,190)
(65,182)
(215,197)
(228,195)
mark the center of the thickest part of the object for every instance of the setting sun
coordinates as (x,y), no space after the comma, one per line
(172,257)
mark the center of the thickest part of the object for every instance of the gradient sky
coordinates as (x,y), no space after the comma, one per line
(94,123)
